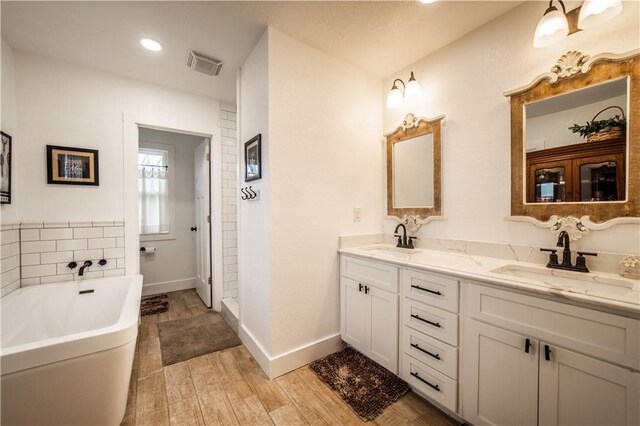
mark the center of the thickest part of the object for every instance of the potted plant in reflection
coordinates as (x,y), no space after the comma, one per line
(603,130)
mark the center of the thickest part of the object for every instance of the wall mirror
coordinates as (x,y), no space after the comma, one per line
(574,140)
(414,169)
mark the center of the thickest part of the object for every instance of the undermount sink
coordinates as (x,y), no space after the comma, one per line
(559,278)
(388,251)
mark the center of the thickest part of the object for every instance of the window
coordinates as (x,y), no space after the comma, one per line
(155,190)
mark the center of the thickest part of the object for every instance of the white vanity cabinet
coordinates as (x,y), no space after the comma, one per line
(429,329)
(369,309)
(529,360)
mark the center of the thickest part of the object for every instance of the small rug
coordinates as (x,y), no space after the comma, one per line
(154,304)
(368,388)
(190,337)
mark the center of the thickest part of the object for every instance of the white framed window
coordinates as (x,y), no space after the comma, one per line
(156,183)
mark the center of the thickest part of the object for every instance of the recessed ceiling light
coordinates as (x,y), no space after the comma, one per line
(149,44)
(427,1)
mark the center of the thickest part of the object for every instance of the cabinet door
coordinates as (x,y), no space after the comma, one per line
(384,328)
(550,182)
(500,378)
(355,324)
(599,178)
(579,390)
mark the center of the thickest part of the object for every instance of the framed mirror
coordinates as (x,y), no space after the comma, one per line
(414,169)
(575,148)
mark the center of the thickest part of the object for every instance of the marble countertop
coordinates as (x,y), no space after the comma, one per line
(605,291)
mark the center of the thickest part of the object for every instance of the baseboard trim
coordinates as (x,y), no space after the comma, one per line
(290,360)
(168,286)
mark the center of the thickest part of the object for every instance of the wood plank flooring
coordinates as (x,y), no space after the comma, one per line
(229,388)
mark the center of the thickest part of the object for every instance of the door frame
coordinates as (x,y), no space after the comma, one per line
(131,123)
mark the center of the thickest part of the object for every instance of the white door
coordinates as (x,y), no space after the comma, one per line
(500,376)
(356,315)
(384,328)
(579,390)
(203,227)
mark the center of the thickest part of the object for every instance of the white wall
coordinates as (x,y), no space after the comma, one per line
(324,160)
(254,244)
(9,125)
(466,80)
(175,259)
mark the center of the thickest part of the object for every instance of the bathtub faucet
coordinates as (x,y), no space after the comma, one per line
(86,264)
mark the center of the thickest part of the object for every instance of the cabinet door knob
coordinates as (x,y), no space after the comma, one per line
(194,228)
(547,353)
(527,345)
(359,286)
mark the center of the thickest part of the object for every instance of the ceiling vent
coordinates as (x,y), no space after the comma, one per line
(200,62)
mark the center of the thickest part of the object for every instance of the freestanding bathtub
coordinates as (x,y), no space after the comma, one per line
(66,352)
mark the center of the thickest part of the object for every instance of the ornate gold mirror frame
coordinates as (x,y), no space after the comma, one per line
(412,127)
(573,71)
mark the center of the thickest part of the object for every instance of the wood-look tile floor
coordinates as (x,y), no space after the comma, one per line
(229,388)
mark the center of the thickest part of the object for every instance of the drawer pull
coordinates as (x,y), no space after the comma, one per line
(415,345)
(436,387)
(426,289)
(435,324)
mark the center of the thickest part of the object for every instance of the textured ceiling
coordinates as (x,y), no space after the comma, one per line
(377,37)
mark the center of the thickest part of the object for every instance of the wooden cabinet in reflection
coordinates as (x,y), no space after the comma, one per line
(591,171)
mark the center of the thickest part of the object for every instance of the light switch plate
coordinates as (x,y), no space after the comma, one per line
(356,214)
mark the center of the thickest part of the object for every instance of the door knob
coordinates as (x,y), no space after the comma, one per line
(194,228)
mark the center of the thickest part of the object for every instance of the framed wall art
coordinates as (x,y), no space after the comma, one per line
(72,166)
(5,169)
(253,159)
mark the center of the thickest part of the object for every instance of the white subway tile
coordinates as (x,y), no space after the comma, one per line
(88,232)
(115,231)
(120,262)
(56,224)
(30,259)
(26,282)
(6,278)
(10,237)
(120,242)
(82,255)
(81,224)
(111,264)
(31,225)
(224,106)
(114,273)
(113,252)
(118,223)
(56,257)
(101,243)
(38,271)
(56,234)
(64,245)
(38,246)
(30,235)
(90,275)
(63,268)
(9,263)
(103,223)
(9,288)
(56,279)
(9,226)
(228,124)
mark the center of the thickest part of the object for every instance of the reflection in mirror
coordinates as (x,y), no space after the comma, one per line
(413,172)
(575,145)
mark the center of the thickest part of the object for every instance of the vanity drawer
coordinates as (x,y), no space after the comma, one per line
(433,289)
(377,274)
(607,336)
(430,320)
(430,382)
(430,351)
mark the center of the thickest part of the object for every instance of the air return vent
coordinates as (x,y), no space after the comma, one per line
(200,62)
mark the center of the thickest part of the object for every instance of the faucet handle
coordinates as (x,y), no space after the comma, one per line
(399,240)
(553,256)
(581,262)
(586,253)
(410,242)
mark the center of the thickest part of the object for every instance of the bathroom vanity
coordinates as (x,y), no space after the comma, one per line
(495,341)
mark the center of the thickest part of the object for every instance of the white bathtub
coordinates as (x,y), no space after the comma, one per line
(66,357)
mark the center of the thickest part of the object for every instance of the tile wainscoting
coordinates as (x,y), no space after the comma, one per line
(38,253)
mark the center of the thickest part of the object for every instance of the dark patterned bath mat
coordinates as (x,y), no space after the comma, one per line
(154,304)
(368,388)
(190,337)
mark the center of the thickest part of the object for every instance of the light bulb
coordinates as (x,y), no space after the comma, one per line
(152,45)
(596,12)
(552,28)
(413,89)
(394,100)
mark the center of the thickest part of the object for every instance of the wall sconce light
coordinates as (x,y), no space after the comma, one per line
(412,89)
(556,25)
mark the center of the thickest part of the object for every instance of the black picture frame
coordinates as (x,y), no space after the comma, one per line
(72,166)
(5,169)
(253,158)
